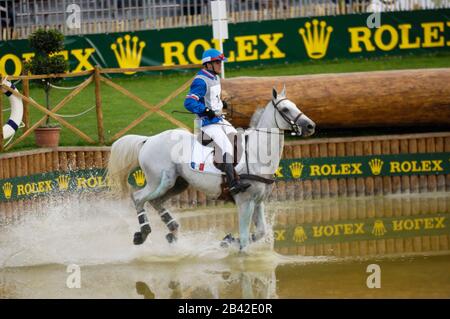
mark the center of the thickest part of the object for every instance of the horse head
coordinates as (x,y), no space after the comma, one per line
(289,117)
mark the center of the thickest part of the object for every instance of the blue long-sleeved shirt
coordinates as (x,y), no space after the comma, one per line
(195,101)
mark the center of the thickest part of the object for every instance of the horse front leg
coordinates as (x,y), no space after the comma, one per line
(260,222)
(246,209)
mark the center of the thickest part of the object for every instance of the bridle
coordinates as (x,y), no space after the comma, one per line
(296,130)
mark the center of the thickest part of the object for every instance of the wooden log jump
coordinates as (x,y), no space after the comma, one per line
(350,100)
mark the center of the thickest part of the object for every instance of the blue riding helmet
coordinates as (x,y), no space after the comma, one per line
(213,55)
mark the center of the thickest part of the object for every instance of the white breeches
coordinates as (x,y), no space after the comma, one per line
(218,132)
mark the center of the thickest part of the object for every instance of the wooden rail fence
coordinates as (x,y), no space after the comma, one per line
(94,75)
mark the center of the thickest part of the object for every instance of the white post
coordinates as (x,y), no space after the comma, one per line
(221,50)
(220,25)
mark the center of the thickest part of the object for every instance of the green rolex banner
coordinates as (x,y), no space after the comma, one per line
(93,179)
(364,166)
(290,169)
(264,42)
(52,183)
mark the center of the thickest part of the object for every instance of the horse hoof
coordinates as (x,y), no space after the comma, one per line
(171,238)
(173,226)
(228,240)
(141,236)
(138,238)
(146,229)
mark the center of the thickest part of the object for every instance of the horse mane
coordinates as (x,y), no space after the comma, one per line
(256,117)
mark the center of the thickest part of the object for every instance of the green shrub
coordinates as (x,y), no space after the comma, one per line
(46,44)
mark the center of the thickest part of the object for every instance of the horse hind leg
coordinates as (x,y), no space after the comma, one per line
(170,222)
(144,224)
(140,197)
(145,229)
(166,217)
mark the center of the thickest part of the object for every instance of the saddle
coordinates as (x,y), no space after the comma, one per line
(238,153)
(239,146)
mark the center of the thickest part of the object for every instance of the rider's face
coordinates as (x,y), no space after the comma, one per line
(215,66)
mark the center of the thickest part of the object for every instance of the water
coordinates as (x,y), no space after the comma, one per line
(97,237)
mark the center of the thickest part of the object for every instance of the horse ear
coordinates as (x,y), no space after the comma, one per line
(283,93)
(274,93)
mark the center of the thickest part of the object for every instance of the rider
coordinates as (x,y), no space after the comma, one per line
(204,100)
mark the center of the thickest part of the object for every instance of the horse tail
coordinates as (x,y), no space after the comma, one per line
(122,159)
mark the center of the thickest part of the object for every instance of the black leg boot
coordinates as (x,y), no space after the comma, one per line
(235,185)
(141,236)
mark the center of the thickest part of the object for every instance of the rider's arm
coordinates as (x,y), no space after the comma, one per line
(194,100)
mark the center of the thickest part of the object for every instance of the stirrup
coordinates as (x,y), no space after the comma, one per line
(238,187)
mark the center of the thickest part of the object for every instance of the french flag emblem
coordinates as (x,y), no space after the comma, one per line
(199,167)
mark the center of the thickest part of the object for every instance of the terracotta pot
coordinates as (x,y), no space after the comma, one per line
(47,136)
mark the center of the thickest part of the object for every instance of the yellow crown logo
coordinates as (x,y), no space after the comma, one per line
(376,165)
(299,234)
(316,41)
(296,169)
(139,177)
(128,56)
(378,228)
(63,182)
(7,190)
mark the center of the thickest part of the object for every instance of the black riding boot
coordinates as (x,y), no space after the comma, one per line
(234,184)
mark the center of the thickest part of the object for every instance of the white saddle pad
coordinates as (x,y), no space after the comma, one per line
(202,159)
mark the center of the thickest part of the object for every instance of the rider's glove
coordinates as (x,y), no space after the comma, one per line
(210,113)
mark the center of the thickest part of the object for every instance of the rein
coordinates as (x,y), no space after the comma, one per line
(294,127)
(250,128)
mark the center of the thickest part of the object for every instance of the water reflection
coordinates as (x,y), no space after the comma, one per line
(406,277)
(364,226)
(408,236)
(245,285)
(143,290)
(230,278)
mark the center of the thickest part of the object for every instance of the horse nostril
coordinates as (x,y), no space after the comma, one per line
(310,127)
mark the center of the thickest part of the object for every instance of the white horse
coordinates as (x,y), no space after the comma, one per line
(167,175)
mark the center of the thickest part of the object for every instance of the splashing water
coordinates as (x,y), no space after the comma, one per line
(93,232)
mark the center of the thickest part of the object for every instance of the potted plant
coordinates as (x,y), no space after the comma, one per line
(46,44)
